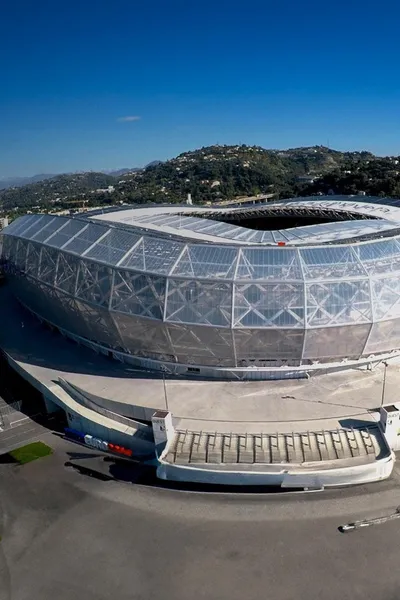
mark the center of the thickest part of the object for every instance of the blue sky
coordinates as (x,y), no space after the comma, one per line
(276,74)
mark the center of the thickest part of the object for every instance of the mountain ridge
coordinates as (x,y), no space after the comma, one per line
(212,173)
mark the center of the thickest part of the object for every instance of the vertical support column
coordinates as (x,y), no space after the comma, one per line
(163,430)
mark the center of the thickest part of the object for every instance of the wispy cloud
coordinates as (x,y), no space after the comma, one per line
(128,119)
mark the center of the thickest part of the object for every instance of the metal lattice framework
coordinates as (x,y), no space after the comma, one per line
(195,302)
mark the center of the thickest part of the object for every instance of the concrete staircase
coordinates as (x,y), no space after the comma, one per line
(191,447)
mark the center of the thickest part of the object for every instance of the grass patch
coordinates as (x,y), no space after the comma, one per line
(30,452)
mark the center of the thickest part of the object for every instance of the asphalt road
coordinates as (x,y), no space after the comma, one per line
(65,535)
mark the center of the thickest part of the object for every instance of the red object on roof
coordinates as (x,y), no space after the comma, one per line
(281,243)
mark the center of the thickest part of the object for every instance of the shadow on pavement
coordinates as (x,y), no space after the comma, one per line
(140,473)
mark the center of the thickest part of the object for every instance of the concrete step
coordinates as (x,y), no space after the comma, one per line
(273,448)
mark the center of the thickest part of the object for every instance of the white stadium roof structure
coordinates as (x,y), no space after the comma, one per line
(199,291)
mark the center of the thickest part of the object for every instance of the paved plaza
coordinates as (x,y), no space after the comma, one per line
(65,535)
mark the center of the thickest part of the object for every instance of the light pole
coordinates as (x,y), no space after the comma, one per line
(165,393)
(384,384)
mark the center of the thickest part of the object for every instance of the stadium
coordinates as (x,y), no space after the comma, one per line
(249,345)
(278,290)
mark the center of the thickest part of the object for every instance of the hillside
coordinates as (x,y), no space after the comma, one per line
(58,189)
(216,173)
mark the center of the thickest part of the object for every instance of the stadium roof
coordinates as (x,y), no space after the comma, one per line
(368,217)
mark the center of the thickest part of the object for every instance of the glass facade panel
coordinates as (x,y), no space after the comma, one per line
(330,263)
(144,337)
(67,272)
(261,346)
(48,262)
(192,301)
(138,294)
(338,302)
(330,343)
(18,226)
(113,247)
(33,259)
(269,305)
(94,283)
(100,324)
(380,256)
(156,255)
(6,247)
(386,297)
(384,337)
(84,239)
(48,229)
(207,261)
(67,230)
(196,345)
(19,255)
(69,316)
(268,263)
(35,226)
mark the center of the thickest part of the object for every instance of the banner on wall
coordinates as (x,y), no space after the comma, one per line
(97,443)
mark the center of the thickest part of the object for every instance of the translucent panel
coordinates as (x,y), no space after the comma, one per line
(66,231)
(199,224)
(113,247)
(143,337)
(156,255)
(19,225)
(48,262)
(241,233)
(277,236)
(138,294)
(6,244)
(336,343)
(207,261)
(267,345)
(191,301)
(100,324)
(33,259)
(330,262)
(35,226)
(380,257)
(170,220)
(49,229)
(220,229)
(267,237)
(247,235)
(253,236)
(196,345)
(69,315)
(49,304)
(269,305)
(67,272)
(339,231)
(268,263)
(160,219)
(181,222)
(338,302)
(18,258)
(30,293)
(94,283)
(384,337)
(85,238)
(386,297)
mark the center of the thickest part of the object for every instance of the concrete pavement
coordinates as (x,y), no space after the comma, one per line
(67,535)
